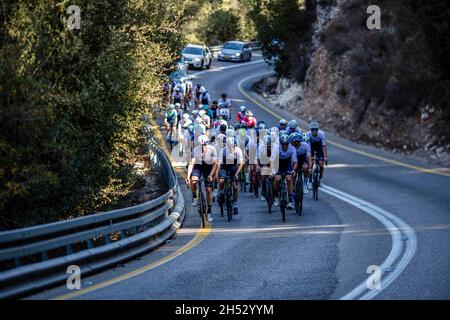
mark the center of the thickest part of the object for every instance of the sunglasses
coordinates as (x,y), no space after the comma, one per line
(314,129)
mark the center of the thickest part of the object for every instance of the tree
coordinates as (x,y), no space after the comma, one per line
(220,27)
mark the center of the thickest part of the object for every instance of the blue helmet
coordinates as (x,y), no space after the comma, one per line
(295,137)
(284,139)
(314,125)
(293,124)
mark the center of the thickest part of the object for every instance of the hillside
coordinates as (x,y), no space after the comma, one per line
(385,87)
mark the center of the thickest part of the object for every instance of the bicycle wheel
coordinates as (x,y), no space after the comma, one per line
(202,206)
(299,195)
(228,201)
(316,184)
(283,199)
(269,194)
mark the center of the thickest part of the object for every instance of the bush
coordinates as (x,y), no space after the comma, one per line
(72,101)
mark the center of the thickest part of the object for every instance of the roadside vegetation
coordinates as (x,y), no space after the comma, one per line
(71,102)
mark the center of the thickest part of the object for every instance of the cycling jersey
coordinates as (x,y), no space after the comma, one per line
(285,160)
(226,103)
(317,143)
(171,116)
(251,121)
(289,131)
(204,156)
(229,161)
(240,116)
(177,97)
(303,150)
(205,98)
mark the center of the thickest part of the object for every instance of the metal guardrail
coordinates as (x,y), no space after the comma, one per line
(38,256)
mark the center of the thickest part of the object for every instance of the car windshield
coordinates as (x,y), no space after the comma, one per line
(233,46)
(193,50)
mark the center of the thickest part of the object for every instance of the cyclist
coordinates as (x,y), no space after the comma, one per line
(177,96)
(250,119)
(226,103)
(204,97)
(167,89)
(282,125)
(241,114)
(224,113)
(204,119)
(231,161)
(188,93)
(179,111)
(293,127)
(197,92)
(318,144)
(287,162)
(214,109)
(303,157)
(265,159)
(186,137)
(203,163)
(170,122)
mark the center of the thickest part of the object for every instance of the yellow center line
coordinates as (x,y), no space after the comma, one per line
(367,154)
(201,234)
(199,237)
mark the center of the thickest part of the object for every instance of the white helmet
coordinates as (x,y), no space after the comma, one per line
(203,139)
(177,105)
(201,112)
(231,141)
(185,116)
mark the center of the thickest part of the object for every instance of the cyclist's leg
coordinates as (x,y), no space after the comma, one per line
(222,176)
(194,183)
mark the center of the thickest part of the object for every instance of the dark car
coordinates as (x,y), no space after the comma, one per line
(235,51)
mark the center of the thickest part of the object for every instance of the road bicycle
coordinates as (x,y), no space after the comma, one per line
(225,199)
(283,197)
(202,206)
(254,180)
(299,193)
(242,180)
(315,177)
(269,193)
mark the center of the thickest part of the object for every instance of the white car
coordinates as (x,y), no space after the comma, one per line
(197,56)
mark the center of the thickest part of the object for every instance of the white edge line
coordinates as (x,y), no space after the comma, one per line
(387,219)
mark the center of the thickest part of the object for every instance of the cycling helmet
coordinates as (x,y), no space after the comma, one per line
(202,112)
(249,114)
(177,89)
(203,139)
(283,122)
(284,139)
(186,116)
(242,132)
(221,105)
(282,132)
(262,125)
(182,80)
(295,137)
(172,106)
(230,133)
(224,95)
(231,141)
(237,126)
(223,112)
(314,125)
(243,108)
(215,102)
(292,124)
(223,128)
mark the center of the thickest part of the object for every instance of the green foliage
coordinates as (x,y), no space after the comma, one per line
(287,21)
(220,27)
(71,101)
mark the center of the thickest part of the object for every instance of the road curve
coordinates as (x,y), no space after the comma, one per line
(323,254)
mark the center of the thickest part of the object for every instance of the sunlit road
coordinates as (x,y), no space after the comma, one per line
(324,254)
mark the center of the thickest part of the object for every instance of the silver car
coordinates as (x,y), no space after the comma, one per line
(197,56)
(235,51)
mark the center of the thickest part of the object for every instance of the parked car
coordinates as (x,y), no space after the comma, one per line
(197,56)
(235,51)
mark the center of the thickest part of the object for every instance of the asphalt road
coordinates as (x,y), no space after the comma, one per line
(324,254)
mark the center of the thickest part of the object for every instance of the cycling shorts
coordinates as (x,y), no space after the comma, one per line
(285,167)
(227,170)
(204,170)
